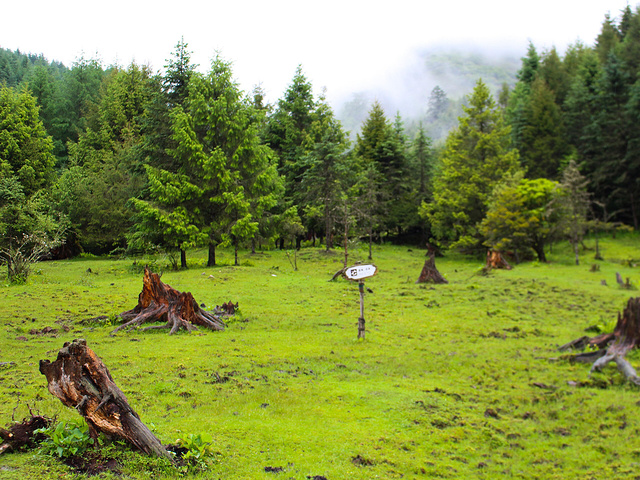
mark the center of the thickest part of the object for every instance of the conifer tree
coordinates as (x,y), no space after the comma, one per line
(477,156)
(328,173)
(226,177)
(542,144)
(380,143)
(605,138)
(607,39)
(574,204)
(287,131)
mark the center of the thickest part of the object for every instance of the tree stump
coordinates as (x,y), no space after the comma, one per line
(159,302)
(495,259)
(23,434)
(429,271)
(614,346)
(81,381)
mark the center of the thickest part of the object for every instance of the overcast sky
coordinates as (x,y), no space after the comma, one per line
(343,45)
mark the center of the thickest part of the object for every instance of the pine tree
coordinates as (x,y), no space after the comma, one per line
(574,204)
(608,38)
(438,104)
(553,72)
(287,130)
(226,177)
(542,144)
(327,173)
(381,144)
(477,156)
(604,140)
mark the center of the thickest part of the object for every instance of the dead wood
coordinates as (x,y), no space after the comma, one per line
(338,274)
(614,346)
(82,381)
(158,302)
(430,273)
(23,434)
(495,259)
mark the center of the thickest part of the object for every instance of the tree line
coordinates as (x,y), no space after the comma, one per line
(122,159)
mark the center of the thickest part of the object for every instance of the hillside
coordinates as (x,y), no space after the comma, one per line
(407,90)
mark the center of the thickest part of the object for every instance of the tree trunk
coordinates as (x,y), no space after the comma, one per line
(235,251)
(346,244)
(81,381)
(361,321)
(327,234)
(429,271)
(597,256)
(159,302)
(634,212)
(183,259)
(539,249)
(211,261)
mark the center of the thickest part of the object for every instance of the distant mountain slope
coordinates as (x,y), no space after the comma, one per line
(407,91)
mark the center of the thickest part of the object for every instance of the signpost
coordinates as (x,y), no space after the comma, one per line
(359,273)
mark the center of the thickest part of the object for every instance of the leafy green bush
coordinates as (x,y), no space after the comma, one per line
(65,440)
(199,448)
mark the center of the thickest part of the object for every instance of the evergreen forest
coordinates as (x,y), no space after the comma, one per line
(115,159)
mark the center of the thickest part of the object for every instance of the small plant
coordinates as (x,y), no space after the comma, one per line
(65,440)
(196,449)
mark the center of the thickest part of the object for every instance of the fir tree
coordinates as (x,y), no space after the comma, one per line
(477,156)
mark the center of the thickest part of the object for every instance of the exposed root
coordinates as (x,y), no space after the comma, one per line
(159,302)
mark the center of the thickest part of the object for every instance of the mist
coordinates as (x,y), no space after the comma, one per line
(405,89)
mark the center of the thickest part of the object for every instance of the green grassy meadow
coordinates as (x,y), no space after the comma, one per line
(452,381)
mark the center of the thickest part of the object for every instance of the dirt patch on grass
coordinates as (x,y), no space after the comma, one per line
(93,464)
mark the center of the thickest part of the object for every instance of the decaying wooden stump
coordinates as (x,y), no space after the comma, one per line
(81,381)
(429,271)
(495,259)
(614,346)
(23,434)
(159,302)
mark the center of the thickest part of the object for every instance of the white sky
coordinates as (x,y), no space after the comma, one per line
(345,46)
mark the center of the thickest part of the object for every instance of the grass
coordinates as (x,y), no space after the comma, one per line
(453,381)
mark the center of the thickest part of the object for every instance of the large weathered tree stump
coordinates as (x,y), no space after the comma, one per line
(159,302)
(495,259)
(614,346)
(429,271)
(81,381)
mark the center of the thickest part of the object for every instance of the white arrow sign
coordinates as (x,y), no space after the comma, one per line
(358,272)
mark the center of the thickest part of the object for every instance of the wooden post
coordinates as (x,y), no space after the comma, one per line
(361,319)
(359,273)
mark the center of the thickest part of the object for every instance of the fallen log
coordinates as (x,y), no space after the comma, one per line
(614,346)
(158,302)
(82,381)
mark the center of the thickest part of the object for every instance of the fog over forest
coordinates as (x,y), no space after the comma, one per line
(406,88)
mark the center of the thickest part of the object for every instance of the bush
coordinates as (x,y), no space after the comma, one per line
(65,440)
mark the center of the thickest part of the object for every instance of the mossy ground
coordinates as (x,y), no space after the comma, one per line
(453,381)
